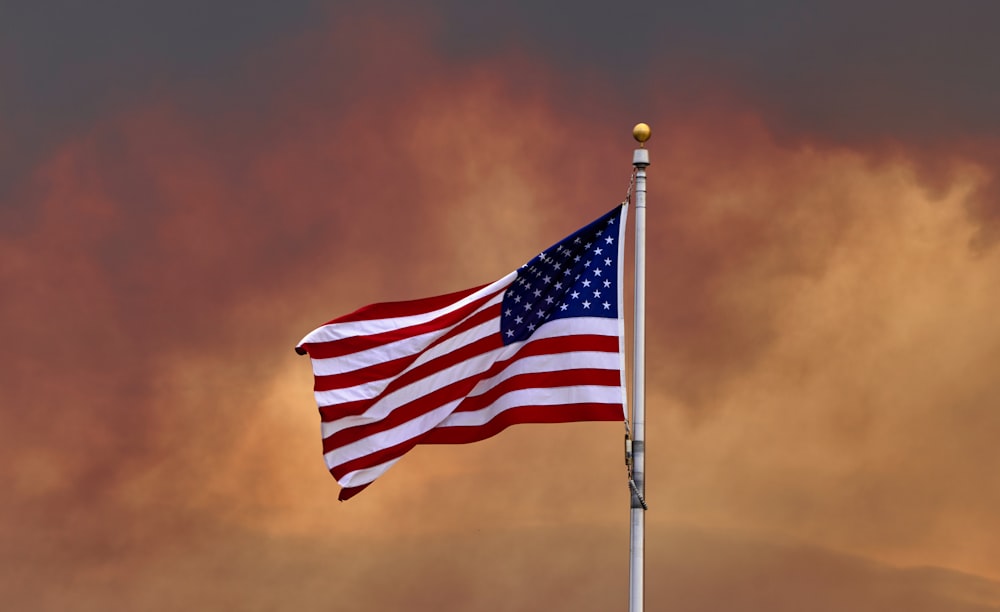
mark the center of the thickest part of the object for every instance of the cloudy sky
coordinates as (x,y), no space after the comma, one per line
(187,188)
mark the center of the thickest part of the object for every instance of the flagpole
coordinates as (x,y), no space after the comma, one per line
(640,160)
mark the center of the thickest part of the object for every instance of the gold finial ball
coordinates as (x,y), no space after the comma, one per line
(641,132)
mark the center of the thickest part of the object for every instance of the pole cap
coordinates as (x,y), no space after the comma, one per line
(641,133)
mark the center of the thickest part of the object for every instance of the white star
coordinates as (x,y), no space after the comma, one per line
(548,299)
(586,304)
(607,306)
(540,313)
(518,320)
(586,264)
(531,327)
(537,293)
(597,271)
(517,299)
(563,306)
(597,293)
(575,294)
(558,286)
(510,333)
(609,240)
(507,312)
(547,279)
(586,282)
(607,283)
(598,251)
(607,261)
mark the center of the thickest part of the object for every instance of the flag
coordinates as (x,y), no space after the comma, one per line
(544,344)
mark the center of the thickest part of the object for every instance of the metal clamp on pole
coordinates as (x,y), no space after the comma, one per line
(638,501)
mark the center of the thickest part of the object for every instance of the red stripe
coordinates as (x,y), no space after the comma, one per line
(343,409)
(468,351)
(562,413)
(371,460)
(567,344)
(541,380)
(348,492)
(565,413)
(378,371)
(355,344)
(388,369)
(459,389)
(403,414)
(392,310)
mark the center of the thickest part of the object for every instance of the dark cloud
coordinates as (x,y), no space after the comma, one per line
(823,71)
(65,65)
(915,72)
(847,73)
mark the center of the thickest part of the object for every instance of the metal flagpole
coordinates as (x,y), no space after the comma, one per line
(637,476)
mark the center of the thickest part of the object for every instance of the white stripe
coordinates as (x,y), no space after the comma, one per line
(470,367)
(388,352)
(444,416)
(378,354)
(366,475)
(549,362)
(428,420)
(372,389)
(365,391)
(338,331)
(534,397)
(390,437)
(415,390)
(572,326)
(543,396)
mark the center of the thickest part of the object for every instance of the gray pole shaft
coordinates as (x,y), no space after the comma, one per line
(640,160)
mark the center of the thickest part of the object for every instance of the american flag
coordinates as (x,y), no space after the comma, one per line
(543,344)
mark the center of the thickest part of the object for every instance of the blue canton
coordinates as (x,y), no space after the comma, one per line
(577,277)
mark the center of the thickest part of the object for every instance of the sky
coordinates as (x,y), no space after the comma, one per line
(188,188)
